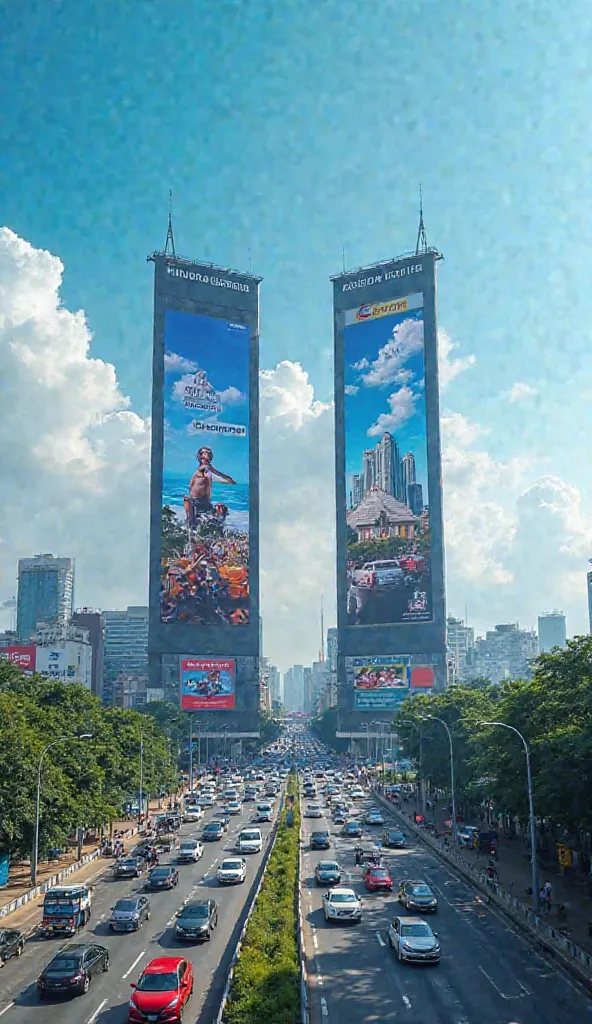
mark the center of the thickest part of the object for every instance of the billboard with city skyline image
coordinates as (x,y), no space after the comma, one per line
(205,479)
(380,684)
(388,549)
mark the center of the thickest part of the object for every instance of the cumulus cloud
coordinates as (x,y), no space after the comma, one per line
(178,363)
(351,389)
(407,339)
(519,391)
(449,366)
(402,405)
(231,396)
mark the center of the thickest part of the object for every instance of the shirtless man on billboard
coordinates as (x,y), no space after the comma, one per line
(199,499)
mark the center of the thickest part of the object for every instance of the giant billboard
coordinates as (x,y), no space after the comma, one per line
(380,684)
(389,504)
(204,527)
(208,684)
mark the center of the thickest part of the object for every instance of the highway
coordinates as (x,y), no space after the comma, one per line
(489,972)
(107,999)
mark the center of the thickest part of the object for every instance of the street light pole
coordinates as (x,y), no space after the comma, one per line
(54,743)
(422,796)
(533,856)
(141,793)
(448,733)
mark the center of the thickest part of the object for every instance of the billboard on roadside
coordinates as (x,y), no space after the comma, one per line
(208,684)
(380,684)
(390,569)
(21,655)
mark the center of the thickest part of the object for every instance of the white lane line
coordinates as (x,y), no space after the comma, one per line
(492,982)
(315,941)
(96,1013)
(324,1009)
(407,1002)
(380,939)
(9,1007)
(136,961)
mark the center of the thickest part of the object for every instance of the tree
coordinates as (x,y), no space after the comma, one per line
(173,535)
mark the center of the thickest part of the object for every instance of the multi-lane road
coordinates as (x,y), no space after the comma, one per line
(108,997)
(489,973)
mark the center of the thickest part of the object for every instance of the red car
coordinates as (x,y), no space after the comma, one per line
(163,989)
(378,880)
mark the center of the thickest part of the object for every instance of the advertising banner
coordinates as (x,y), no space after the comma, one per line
(208,684)
(387,517)
(22,656)
(205,490)
(380,683)
(422,677)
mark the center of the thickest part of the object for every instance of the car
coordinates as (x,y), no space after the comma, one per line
(190,851)
(234,807)
(413,940)
(193,813)
(352,830)
(128,914)
(339,818)
(196,920)
(223,818)
(417,895)
(213,831)
(264,812)
(374,817)
(232,870)
(207,800)
(162,878)
(250,840)
(71,970)
(12,943)
(357,793)
(129,867)
(319,841)
(394,839)
(377,879)
(342,904)
(162,991)
(313,811)
(327,872)
(380,577)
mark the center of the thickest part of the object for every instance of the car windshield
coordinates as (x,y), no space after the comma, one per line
(379,872)
(189,846)
(164,982)
(159,873)
(343,897)
(201,912)
(421,890)
(213,826)
(249,835)
(64,964)
(128,862)
(231,865)
(417,930)
(395,835)
(327,865)
(352,825)
(126,905)
(320,835)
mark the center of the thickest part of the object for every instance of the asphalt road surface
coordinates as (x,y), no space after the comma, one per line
(107,999)
(489,973)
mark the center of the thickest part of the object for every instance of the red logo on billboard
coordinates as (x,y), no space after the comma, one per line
(364,313)
(24,657)
(422,677)
(208,684)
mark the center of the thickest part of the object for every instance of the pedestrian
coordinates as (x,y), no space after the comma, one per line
(543,901)
(548,893)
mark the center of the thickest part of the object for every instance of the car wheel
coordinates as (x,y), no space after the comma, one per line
(86,984)
(106,965)
(209,934)
(111,928)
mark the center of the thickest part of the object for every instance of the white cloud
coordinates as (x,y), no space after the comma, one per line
(407,339)
(351,389)
(449,368)
(519,391)
(402,404)
(363,364)
(173,361)
(231,396)
(74,459)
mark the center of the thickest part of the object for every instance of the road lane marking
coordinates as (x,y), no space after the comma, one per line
(324,1008)
(492,982)
(407,1002)
(315,941)
(136,961)
(96,1013)
(380,939)
(6,1008)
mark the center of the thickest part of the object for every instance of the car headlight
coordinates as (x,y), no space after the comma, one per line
(172,1003)
(407,947)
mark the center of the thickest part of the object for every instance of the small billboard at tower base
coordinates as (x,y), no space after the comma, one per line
(208,684)
(380,684)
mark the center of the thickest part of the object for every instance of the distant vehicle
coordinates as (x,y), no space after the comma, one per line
(193,813)
(264,812)
(71,970)
(319,841)
(128,914)
(339,818)
(232,870)
(313,811)
(342,905)
(12,943)
(374,817)
(128,867)
(164,986)
(223,818)
(66,908)
(190,851)
(213,831)
(413,940)
(250,840)
(394,839)
(417,896)
(234,807)
(377,879)
(327,872)
(207,800)
(162,878)
(196,920)
(352,830)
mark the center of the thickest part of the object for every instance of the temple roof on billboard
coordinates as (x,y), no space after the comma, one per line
(373,504)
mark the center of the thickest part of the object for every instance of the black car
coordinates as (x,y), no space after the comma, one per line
(128,914)
(394,839)
(162,878)
(129,867)
(196,920)
(12,943)
(352,829)
(213,830)
(70,971)
(319,841)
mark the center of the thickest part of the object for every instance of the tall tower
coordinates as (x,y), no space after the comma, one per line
(369,468)
(408,474)
(45,592)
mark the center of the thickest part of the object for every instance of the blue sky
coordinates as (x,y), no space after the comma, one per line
(290,131)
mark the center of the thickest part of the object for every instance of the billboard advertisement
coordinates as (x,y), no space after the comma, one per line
(390,575)
(208,684)
(23,656)
(205,480)
(422,677)
(380,684)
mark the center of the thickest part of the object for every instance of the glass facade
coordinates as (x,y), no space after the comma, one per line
(126,656)
(45,592)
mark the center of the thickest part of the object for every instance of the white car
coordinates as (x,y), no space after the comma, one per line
(342,904)
(232,870)
(313,811)
(414,940)
(190,851)
(374,818)
(234,807)
(357,793)
(264,812)
(207,800)
(193,813)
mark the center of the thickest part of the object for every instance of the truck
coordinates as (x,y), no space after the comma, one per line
(66,908)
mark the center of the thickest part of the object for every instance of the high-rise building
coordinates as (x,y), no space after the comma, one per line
(506,652)
(294,688)
(332,649)
(307,690)
(125,675)
(552,632)
(45,592)
(415,498)
(358,489)
(407,475)
(95,624)
(63,652)
(460,646)
(369,468)
(275,687)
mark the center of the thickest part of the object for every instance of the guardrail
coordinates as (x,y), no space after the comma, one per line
(262,870)
(304,1011)
(572,956)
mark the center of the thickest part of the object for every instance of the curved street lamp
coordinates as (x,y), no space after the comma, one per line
(449,734)
(54,743)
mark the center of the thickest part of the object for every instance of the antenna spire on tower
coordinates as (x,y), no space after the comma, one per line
(170,238)
(422,238)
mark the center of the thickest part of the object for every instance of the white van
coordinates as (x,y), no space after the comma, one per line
(264,812)
(250,840)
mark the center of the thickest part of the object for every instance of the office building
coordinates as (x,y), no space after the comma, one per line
(294,688)
(552,631)
(63,652)
(506,652)
(45,592)
(94,622)
(125,676)
(332,649)
(415,498)
(407,475)
(460,648)
(307,690)
(275,687)
(358,490)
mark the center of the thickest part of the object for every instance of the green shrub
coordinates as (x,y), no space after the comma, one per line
(266,980)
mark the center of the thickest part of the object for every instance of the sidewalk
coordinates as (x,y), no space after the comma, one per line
(513,867)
